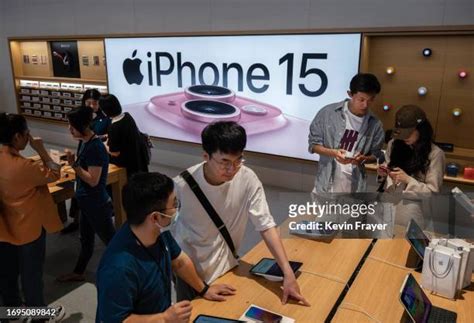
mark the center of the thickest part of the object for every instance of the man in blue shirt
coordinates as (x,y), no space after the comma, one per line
(134,274)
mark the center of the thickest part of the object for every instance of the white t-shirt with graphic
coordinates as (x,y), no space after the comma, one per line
(343,173)
(236,202)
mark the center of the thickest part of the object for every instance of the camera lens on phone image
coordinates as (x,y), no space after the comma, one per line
(211,92)
(210,107)
(254,109)
(209,111)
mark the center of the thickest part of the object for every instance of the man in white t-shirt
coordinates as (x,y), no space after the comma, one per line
(346,135)
(237,195)
(348,143)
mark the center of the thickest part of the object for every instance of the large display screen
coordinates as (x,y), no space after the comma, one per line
(273,85)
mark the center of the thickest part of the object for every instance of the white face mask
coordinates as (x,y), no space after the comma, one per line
(173,220)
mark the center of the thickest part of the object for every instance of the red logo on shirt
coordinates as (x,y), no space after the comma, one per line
(349,139)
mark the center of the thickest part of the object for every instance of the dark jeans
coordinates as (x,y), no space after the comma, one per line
(74,209)
(9,271)
(26,261)
(94,219)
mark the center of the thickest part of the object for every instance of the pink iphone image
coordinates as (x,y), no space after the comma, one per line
(199,105)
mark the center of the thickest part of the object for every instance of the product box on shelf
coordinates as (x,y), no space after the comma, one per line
(49,85)
(469,172)
(72,86)
(28,83)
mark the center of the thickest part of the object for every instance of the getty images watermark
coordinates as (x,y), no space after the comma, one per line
(337,217)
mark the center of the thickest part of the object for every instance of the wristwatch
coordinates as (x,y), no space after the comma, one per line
(204,290)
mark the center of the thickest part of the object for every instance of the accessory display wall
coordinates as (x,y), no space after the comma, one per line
(41,94)
(438,73)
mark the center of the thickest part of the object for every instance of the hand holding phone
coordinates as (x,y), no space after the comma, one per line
(340,156)
(350,155)
(398,176)
(359,159)
(383,170)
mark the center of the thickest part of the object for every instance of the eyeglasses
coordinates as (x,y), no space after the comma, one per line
(176,206)
(227,164)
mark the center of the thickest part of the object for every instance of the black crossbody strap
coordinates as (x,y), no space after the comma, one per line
(210,211)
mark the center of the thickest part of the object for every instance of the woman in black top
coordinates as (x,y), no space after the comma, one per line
(125,143)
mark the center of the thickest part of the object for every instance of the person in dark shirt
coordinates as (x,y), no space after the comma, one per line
(134,274)
(125,142)
(99,125)
(100,122)
(91,168)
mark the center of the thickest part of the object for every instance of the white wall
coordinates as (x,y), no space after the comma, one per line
(82,17)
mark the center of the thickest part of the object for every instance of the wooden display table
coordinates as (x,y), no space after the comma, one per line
(63,189)
(327,266)
(377,288)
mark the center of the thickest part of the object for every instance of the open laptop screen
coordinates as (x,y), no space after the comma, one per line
(418,240)
(414,300)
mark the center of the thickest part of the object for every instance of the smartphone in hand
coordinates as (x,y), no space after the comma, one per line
(385,169)
(348,156)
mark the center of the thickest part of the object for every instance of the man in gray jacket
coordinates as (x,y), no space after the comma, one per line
(346,135)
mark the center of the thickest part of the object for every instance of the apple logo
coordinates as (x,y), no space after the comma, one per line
(131,70)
